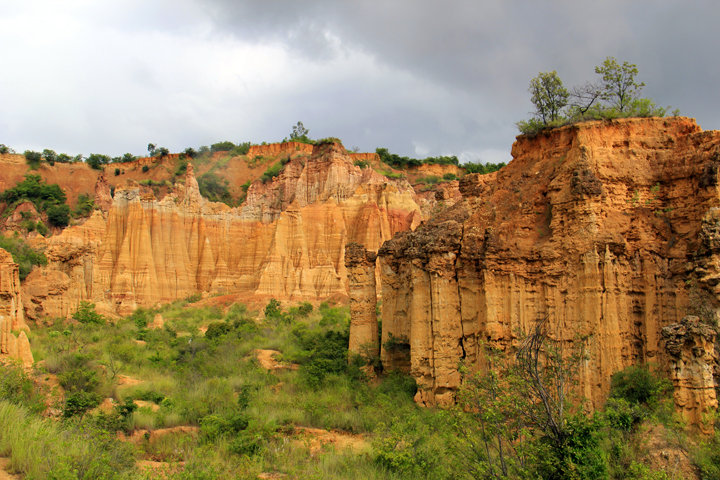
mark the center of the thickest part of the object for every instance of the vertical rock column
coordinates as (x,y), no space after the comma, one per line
(11,313)
(691,347)
(360,266)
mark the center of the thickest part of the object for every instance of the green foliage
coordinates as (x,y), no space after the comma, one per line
(638,385)
(59,215)
(217,329)
(145,168)
(33,159)
(361,163)
(215,188)
(323,354)
(483,168)
(396,161)
(17,388)
(300,134)
(619,86)
(49,156)
(85,205)
(272,172)
(242,148)
(34,189)
(214,426)
(706,456)
(5,149)
(79,402)
(97,161)
(273,308)
(549,96)
(222,146)
(117,172)
(86,314)
(162,152)
(23,254)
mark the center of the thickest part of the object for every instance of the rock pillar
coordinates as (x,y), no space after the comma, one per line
(11,313)
(360,266)
(691,347)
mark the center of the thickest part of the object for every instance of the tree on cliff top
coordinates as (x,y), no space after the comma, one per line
(618,83)
(548,95)
(300,133)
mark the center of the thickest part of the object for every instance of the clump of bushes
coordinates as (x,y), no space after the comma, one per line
(483,168)
(23,254)
(272,172)
(215,188)
(397,161)
(45,197)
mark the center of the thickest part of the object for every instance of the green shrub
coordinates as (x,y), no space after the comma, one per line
(272,172)
(17,387)
(85,205)
(145,168)
(483,168)
(33,159)
(34,189)
(450,176)
(215,188)
(23,254)
(86,314)
(59,215)
(273,308)
(41,228)
(222,146)
(97,161)
(217,329)
(81,378)
(214,425)
(361,163)
(79,402)
(638,385)
(117,172)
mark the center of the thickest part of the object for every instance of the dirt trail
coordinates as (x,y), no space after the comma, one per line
(317,438)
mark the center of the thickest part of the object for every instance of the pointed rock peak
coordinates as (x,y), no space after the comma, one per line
(191,195)
(103,197)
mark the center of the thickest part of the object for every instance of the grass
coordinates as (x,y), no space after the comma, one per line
(245,416)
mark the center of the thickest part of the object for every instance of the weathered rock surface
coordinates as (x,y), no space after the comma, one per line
(287,240)
(690,345)
(360,265)
(12,318)
(610,230)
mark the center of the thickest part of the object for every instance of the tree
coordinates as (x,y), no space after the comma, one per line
(583,98)
(59,215)
(33,159)
(548,95)
(97,161)
(299,132)
(151,148)
(618,83)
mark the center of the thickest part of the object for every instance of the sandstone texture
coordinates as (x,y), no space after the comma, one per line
(14,342)
(611,230)
(360,265)
(287,240)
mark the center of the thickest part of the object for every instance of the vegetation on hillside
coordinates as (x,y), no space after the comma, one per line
(241,417)
(23,254)
(615,95)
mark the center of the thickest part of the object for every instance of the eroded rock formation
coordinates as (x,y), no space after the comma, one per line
(608,229)
(690,345)
(13,345)
(360,265)
(287,240)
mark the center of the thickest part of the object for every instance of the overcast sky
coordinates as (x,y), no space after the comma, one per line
(419,77)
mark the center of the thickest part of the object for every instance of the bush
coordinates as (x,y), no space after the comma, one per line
(85,205)
(17,387)
(59,215)
(272,172)
(222,146)
(97,161)
(117,172)
(217,329)
(25,256)
(483,168)
(145,168)
(79,402)
(638,385)
(86,314)
(214,188)
(33,159)
(34,189)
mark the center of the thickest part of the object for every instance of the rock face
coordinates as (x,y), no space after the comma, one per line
(287,240)
(12,318)
(690,345)
(360,265)
(611,230)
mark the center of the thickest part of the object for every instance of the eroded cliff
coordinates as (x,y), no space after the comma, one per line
(14,342)
(286,240)
(607,229)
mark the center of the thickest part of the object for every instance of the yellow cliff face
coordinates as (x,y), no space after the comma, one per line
(607,229)
(286,241)
(14,342)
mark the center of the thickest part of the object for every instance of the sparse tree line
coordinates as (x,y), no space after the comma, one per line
(616,94)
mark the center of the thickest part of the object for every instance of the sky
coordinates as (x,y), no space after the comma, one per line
(422,78)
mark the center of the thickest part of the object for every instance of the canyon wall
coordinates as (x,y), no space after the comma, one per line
(14,342)
(607,229)
(286,240)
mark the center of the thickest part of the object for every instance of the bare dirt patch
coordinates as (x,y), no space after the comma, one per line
(316,439)
(267,360)
(4,470)
(128,380)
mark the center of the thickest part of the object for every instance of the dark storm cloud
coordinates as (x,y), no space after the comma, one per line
(490,49)
(420,77)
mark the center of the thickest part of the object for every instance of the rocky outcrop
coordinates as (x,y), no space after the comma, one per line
(287,240)
(690,345)
(360,265)
(12,345)
(607,229)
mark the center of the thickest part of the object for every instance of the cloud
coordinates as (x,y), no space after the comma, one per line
(417,76)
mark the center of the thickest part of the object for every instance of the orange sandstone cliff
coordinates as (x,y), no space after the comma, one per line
(14,342)
(607,229)
(286,240)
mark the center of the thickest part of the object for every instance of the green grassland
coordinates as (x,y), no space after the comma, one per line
(200,371)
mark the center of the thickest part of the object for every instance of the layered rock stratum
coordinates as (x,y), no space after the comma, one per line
(14,343)
(609,230)
(286,240)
